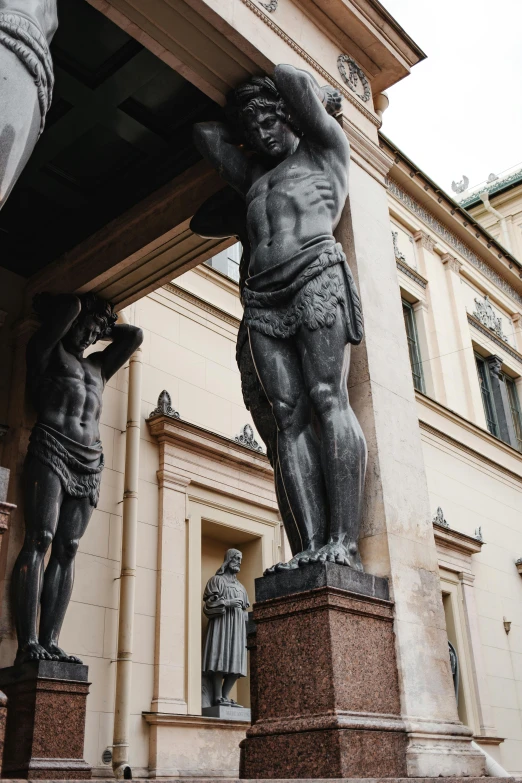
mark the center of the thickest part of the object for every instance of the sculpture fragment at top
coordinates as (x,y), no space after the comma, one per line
(26,30)
(287,158)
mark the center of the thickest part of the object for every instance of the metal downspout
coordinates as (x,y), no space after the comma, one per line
(506,239)
(120,749)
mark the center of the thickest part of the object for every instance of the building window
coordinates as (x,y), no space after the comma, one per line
(413,346)
(227,262)
(500,400)
(514,405)
(487,395)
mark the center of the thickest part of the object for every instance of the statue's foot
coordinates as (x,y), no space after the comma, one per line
(235,704)
(333,552)
(302,558)
(60,655)
(32,651)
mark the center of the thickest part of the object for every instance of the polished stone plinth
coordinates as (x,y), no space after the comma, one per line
(45,727)
(325,693)
(314,575)
(225,712)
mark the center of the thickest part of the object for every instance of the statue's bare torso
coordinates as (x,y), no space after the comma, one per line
(68,396)
(295,206)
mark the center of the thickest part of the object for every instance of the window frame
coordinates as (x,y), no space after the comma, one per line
(486,389)
(414,353)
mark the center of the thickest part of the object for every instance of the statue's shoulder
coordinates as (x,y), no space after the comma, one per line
(216,584)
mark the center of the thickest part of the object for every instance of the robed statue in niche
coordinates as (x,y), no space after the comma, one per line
(286,158)
(64,463)
(225,602)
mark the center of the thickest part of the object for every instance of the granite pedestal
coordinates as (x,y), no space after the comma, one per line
(325,685)
(45,727)
(225,712)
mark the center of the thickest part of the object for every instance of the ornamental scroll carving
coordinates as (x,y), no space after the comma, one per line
(354,77)
(399,255)
(164,407)
(271,6)
(486,315)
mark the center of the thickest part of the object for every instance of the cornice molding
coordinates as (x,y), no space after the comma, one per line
(350,97)
(472,428)
(455,541)
(198,440)
(430,220)
(411,273)
(202,304)
(494,338)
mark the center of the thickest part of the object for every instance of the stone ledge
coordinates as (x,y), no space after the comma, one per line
(199,721)
(314,575)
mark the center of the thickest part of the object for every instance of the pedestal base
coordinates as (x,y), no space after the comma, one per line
(326,683)
(45,721)
(223,712)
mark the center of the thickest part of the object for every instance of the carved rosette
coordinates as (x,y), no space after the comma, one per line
(22,37)
(354,77)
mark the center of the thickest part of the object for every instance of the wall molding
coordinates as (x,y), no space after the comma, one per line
(430,220)
(350,97)
(494,338)
(172,288)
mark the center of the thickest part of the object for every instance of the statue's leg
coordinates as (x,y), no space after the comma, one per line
(217,687)
(278,366)
(228,683)
(59,574)
(326,363)
(42,500)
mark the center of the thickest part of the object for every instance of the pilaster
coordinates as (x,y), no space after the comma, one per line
(462,364)
(397,537)
(170,664)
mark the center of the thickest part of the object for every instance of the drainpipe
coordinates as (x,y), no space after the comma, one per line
(506,239)
(493,768)
(120,747)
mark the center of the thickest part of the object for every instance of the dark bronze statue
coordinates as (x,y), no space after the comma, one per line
(64,463)
(302,309)
(225,655)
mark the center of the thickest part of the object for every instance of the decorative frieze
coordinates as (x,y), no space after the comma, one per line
(164,407)
(425,241)
(439,519)
(246,439)
(399,255)
(411,273)
(452,263)
(430,220)
(354,77)
(492,336)
(486,315)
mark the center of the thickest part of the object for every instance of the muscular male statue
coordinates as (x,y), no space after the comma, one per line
(62,472)
(302,308)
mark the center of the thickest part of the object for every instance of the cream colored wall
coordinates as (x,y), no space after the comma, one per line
(474,493)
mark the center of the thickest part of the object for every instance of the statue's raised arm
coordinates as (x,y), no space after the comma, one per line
(312,107)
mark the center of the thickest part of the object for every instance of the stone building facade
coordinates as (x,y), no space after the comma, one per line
(436,383)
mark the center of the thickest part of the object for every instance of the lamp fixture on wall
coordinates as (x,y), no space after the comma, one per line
(507,625)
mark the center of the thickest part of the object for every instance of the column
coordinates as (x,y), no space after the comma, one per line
(483,701)
(170,667)
(464,358)
(397,536)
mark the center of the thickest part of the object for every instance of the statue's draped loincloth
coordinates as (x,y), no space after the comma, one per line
(78,467)
(310,297)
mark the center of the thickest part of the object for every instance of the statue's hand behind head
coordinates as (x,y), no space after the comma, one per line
(42,12)
(332,100)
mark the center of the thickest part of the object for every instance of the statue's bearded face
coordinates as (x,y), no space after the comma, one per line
(235,564)
(82,334)
(269,134)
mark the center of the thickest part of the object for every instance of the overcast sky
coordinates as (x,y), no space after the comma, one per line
(460,110)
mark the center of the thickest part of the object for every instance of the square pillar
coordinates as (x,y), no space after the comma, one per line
(397,538)
(170,664)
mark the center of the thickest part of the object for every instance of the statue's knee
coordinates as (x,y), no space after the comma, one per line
(324,397)
(284,414)
(70,547)
(42,542)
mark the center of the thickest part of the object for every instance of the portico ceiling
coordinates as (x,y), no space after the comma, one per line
(118,129)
